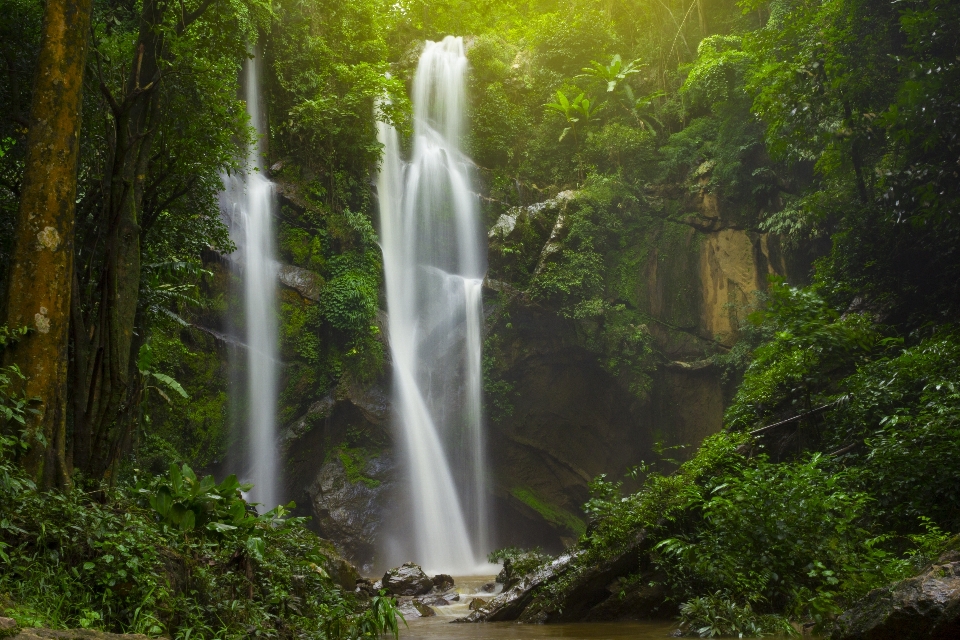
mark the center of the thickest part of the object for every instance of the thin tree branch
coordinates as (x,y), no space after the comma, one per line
(192,17)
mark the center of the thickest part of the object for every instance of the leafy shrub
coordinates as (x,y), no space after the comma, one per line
(810,347)
(517,563)
(769,532)
(349,301)
(717,615)
(184,502)
(14,406)
(904,408)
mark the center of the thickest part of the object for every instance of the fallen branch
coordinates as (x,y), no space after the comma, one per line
(801,416)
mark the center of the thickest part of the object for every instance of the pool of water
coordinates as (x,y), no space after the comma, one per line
(470,587)
(441,627)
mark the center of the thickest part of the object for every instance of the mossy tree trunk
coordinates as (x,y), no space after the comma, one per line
(41,270)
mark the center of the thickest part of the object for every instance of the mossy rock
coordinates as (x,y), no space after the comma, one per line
(8,627)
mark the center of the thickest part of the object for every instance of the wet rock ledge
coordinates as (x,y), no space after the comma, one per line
(570,589)
(926,606)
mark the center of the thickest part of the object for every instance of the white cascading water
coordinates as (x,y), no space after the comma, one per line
(434,264)
(247,201)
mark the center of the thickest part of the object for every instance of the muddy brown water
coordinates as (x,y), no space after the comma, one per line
(442,626)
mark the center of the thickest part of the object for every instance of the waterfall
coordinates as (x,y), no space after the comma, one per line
(247,201)
(434,264)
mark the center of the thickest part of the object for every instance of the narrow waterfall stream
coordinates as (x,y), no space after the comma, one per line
(247,201)
(434,263)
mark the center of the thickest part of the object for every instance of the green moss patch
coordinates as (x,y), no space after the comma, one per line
(551,513)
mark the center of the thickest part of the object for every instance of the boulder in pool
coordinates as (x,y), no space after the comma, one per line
(407,580)
(412,608)
(442,582)
(477,603)
(439,599)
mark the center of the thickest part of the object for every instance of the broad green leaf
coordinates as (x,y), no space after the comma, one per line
(170,383)
(189,520)
(256,547)
(162,502)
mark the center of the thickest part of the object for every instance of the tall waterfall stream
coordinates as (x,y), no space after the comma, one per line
(434,263)
(247,201)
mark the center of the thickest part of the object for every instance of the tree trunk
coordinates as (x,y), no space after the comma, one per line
(41,271)
(106,380)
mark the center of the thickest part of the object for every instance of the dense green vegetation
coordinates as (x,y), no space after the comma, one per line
(172,555)
(829,124)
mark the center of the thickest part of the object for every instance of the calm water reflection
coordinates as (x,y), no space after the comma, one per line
(470,587)
(440,627)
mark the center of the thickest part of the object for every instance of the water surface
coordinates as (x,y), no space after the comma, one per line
(441,627)
(470,587)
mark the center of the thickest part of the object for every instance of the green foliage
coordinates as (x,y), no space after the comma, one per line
(145,361)
(327,62)
(14,405)
(517,562)
(810,345)
(718,73)
(339,335)
(114,563)
(772,534)
(10,336)
(612,74)
(191,429)
(349,301)
(904,406)
(578,113)
(184,502)
(716,615)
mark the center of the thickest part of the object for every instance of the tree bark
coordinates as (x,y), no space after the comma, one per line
(105,348)
(105,377)
(41,271)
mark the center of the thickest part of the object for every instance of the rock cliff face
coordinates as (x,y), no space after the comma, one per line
(692,279)
(339,468)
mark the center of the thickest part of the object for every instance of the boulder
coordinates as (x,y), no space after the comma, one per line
(489,587)
(305,282)
(407,580)
(8,627)
(342,572)
(476,604)
(925,606)
(439,599)
(349,511)
(364,588)
(442,581)
(413,608)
